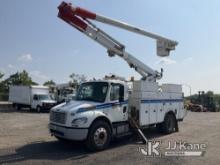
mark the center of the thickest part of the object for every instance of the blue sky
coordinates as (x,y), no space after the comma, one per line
(33,38)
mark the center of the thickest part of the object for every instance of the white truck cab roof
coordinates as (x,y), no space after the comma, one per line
(109,81)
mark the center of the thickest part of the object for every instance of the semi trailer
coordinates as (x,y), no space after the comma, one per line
(112,107)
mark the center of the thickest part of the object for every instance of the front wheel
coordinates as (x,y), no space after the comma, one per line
(17,107)
(38,109)
(99,136)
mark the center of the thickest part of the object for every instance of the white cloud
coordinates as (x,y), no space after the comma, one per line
(2,70)
(188,59)
(11,66)
(166,61)
(38,76)
(25,58)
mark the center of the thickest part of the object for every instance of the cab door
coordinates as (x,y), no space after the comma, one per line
(118,110)
(35,101)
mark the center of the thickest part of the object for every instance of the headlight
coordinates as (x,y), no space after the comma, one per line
(79,121)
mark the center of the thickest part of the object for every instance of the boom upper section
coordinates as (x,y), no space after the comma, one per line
(79,18)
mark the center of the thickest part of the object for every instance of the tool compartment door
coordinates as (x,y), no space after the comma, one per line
(144,114)
(153,113)
(160,112)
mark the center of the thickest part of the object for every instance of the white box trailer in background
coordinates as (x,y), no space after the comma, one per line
(33,97)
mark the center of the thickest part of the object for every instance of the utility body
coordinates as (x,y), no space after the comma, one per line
(104,109)
(33,97)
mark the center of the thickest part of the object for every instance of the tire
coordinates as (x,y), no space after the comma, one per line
(169,125)
(99,136)
(17,107)
(159,127)
(38,109)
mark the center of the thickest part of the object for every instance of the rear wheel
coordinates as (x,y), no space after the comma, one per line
(99,136)
(169,125)
(159,127)
(17,106)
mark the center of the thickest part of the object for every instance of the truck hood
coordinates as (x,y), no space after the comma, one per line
(74,106)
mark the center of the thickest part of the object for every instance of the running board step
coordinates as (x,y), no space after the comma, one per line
(123,134)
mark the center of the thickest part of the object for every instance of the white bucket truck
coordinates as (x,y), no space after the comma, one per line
(104,109)
(33,97)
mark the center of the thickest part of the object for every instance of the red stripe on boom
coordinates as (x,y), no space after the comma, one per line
(84,13)
(67,13)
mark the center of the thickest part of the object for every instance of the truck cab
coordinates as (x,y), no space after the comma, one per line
(99,112)
(42,102)
(106,109)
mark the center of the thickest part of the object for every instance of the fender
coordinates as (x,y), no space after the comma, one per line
(170,112)
(99,115)
(105,118)
(93,116)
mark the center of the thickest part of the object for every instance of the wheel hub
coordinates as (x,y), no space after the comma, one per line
(100,136)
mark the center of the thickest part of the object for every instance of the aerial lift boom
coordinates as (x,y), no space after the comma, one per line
(146,104)
(79,18)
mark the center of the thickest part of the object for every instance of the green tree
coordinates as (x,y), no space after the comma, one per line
(3,95)
(77,79)
(1,83)
(1,75)
(19,78)
(49,83)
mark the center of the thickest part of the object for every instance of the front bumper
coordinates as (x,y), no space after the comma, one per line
(68,132)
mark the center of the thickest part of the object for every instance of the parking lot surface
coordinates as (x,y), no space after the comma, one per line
(24,139)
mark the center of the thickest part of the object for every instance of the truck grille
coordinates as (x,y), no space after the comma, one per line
(58,117)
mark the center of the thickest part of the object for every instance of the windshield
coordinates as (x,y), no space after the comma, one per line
(44,97)
(92,91)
